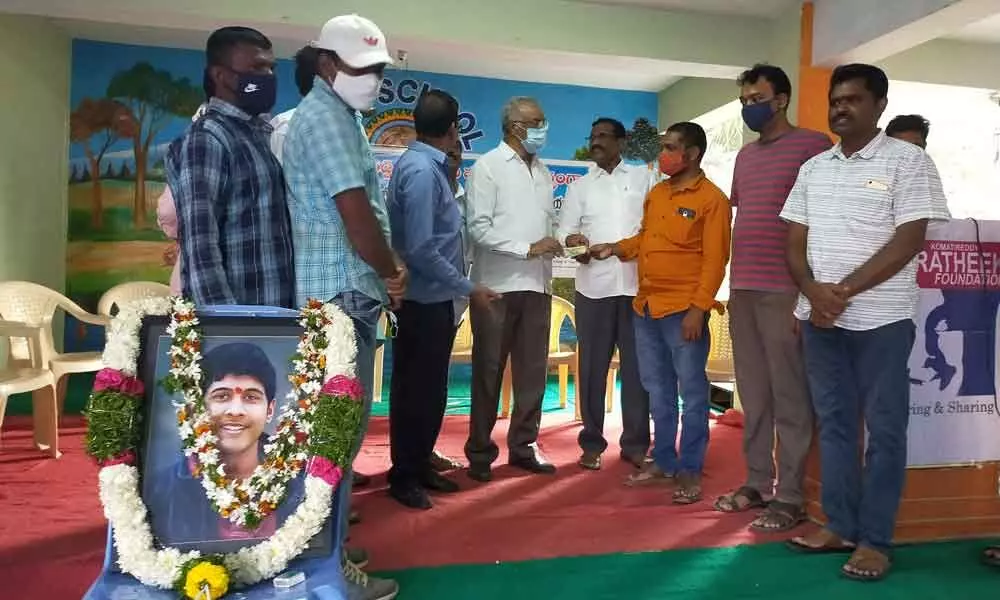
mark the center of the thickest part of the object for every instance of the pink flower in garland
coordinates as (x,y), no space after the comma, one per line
(340,385)
(125,458)
(324,469)
(116,381)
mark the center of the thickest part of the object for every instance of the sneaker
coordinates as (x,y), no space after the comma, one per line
(649,475)
(362,587)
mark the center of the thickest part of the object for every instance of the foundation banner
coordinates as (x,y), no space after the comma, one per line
(954,417)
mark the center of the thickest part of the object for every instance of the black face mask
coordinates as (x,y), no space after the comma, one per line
(256,93)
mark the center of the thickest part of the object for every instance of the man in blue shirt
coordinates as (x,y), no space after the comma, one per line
(232,216)
(427,234)
(339,220)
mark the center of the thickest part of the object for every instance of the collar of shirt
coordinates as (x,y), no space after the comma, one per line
(440,158)
(231,110)
(868,152)
(688,186)
(621,167)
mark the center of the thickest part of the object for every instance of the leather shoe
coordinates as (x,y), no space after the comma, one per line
(359,480)
(480,473)
(442,463)
(534,465)
(436,482)
(411,497)
(590,460)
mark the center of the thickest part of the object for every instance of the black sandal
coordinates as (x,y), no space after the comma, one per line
(991,556)
(778,517)
(731,503)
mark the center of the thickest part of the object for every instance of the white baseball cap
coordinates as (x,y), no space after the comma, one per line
(356,40)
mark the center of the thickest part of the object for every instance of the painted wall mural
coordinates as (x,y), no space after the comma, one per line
(129,102)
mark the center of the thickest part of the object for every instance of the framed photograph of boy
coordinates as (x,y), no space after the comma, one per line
(246,363)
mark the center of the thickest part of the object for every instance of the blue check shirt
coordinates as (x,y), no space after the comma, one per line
(232,216)
(326,152)
(427,226)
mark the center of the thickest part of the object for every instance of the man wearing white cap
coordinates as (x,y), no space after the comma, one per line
(340,225)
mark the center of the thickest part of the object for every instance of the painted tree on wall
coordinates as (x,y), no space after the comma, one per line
(154,98)
(103,121)
(643,142)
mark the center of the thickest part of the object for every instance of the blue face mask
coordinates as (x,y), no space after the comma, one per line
(757,116)
(535,138)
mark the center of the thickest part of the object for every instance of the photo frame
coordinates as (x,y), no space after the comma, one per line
(180,514)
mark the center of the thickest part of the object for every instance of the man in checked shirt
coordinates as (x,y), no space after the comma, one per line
(232,216)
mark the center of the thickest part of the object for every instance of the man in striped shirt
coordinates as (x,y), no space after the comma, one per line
(858,217)
(770,375)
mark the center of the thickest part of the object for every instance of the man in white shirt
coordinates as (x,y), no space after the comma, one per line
(510,224)
(603,207)
(857,217)
(305,74)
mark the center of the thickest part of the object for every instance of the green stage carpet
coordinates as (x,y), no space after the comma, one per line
(930,571)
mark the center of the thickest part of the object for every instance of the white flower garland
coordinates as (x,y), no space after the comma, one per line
(119,483)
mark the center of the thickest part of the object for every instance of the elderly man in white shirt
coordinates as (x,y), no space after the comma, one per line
(510,224)
(605,206)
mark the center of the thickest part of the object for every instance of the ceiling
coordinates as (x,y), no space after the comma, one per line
(614,72)
(985,31)
(753,8)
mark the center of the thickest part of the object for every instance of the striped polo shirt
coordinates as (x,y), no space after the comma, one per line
(852,207)
(764,174)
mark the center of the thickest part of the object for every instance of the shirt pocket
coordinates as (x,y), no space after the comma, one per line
(871,206)
(683,226)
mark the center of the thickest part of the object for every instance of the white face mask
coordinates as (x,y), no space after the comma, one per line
(358,91)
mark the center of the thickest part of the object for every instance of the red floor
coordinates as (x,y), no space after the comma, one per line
(52,530)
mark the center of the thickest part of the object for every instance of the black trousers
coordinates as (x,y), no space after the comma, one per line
(418,394)
(601,325)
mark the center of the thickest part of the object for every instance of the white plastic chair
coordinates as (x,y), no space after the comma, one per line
(129,292)
(34,304)
(29,374)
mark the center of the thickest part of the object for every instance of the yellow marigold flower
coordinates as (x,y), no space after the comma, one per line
(206,574)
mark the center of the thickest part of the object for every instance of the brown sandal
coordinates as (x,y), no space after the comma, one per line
(688,490)
(867,564)
(823,541)
(991,556)
(778,517)
(743,499)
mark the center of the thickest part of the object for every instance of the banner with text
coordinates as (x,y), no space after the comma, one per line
(563,172)
(953,404)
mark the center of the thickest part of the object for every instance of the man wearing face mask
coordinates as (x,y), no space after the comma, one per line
(222,172)
(510,224)
(339,217)
(682,248)
(767,352)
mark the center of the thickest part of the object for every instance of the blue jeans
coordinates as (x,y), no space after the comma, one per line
(365,313)
(854,375)
(666,363)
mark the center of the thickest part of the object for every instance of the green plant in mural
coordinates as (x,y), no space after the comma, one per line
(154,97)
(103,121)
(582,153)
(643,142)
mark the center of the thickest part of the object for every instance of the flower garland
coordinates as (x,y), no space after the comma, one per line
(113,436)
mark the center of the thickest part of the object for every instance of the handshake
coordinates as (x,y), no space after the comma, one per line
(578,247)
